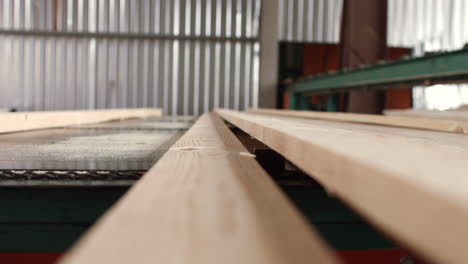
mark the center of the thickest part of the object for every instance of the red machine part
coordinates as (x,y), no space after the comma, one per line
(30,257)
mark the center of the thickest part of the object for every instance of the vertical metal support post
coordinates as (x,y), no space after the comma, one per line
(292,102)
(364,41)
(297,101)
(269,50)
(332,103)
(303,102)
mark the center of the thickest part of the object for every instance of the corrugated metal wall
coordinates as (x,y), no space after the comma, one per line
(185,56)
(310,20)
(428,25)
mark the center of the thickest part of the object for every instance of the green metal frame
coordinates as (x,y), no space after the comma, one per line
(336,223)
(439,68)
(51,219)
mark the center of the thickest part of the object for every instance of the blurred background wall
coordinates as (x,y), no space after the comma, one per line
(186,56)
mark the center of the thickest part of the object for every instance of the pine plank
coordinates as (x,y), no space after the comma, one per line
(393,121)
(206,201)
(459,116)
(411,184)
(23,121)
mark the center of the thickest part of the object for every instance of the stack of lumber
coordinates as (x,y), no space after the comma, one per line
(23,121)
(410,183)
(415,122)
(208,200)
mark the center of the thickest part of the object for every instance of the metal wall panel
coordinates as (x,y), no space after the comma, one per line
(310,20)
(428,25)
(185,56)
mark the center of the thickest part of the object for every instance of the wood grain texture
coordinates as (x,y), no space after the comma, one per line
(411,184)
(206,201)
(459,116)
(23,121)
(394,121)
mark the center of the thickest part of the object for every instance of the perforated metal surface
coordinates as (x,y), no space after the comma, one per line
(114,151)
(23,175)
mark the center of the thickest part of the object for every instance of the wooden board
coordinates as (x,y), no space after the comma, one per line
(206,201)
(411,184)
(460,116)
(23,121)
(395,121)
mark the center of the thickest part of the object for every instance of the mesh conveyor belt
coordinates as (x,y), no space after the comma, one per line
(105,152)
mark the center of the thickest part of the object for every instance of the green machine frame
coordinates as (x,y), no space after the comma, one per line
(439,68)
